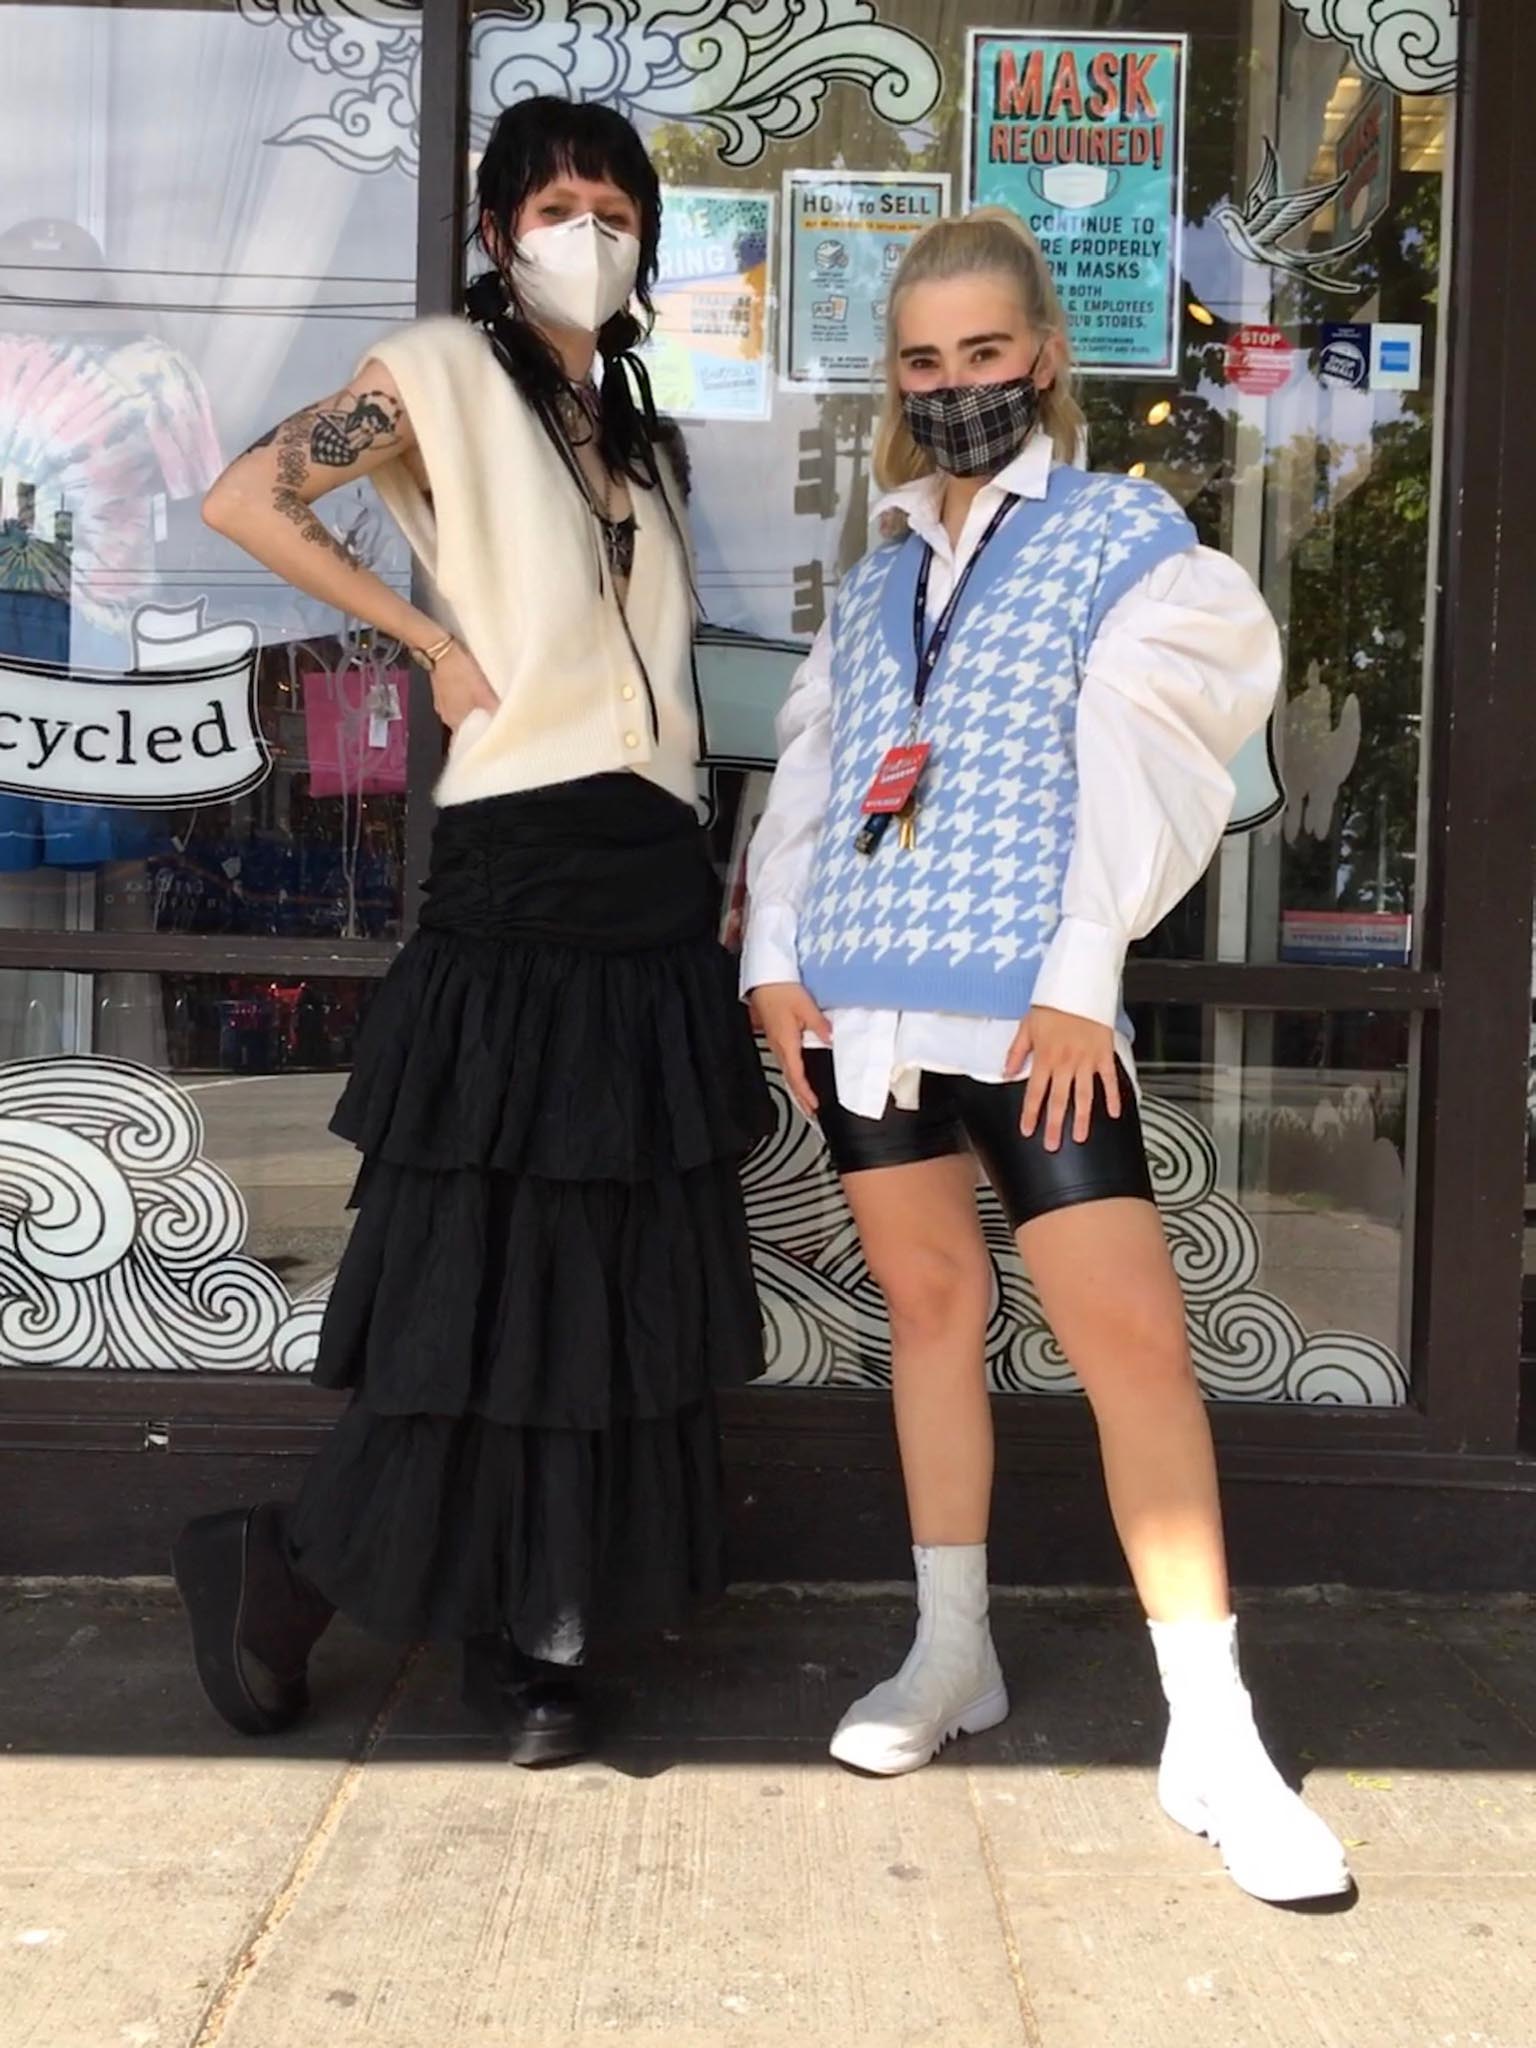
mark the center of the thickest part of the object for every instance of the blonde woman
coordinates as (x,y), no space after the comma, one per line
(1006,758)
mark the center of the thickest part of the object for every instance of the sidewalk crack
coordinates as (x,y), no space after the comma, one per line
(288,1893)
(1485,1685)
(1029,2022)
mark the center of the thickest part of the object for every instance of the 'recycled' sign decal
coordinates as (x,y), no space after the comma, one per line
(180,728)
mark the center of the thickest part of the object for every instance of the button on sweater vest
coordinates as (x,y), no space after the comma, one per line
(510,546)
(961,922)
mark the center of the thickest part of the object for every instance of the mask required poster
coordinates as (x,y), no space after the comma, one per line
(844,238)
(1083,137)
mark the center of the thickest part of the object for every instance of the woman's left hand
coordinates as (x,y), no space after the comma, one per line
(1069,1054)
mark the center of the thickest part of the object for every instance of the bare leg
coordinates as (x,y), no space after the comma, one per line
(923,1244)
(1127,1344)
(1109,1291)
(922,1239)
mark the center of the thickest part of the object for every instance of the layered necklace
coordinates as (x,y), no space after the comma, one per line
(580,412)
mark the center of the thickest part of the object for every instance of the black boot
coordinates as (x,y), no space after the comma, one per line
(254,1619)
(538,1707)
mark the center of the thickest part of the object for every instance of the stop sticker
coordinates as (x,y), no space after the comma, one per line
(1259,361)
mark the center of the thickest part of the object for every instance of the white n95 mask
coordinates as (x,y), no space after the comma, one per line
(577,273)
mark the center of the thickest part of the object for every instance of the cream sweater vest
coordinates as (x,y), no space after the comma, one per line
(513,554)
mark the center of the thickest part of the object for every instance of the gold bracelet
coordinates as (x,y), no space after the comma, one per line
(429,657)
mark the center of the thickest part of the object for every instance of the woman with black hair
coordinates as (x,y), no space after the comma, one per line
(548,1276)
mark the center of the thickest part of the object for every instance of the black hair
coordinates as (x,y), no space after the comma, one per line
(532,145)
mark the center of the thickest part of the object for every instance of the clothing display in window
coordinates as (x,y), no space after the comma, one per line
(278,884)
(355,727)
(96,434)
(102,431)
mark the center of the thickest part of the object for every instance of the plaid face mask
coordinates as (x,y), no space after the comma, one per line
(973,429)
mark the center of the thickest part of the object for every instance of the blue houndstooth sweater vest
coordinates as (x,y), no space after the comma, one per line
(961,922)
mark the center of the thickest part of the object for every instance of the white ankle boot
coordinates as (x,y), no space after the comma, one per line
(951,1683)
(1217,1780)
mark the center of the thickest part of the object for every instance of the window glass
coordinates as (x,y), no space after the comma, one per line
(178,1203)
(1282,1185)
(1259,324)
(211,213)
(1255,302)
(190,249)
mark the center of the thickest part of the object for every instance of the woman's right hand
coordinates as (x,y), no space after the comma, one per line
(459,687)
(783,1012)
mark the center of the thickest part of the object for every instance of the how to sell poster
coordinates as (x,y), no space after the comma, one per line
(844,238)
(1083,137)
(708,355)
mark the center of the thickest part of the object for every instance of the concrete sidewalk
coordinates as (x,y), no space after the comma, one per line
(716,1882)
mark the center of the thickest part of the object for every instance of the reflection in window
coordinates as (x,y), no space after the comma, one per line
(171,283)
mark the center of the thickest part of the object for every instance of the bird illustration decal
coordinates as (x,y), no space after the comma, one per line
(1257,229)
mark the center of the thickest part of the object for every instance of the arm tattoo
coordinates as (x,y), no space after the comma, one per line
(332,436)
(340,435)
(328,437)
(311,527)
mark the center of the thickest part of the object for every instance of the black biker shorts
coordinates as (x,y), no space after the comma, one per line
(956,1114)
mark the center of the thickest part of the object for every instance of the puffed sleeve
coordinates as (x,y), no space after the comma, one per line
(779,864)
(1182,672)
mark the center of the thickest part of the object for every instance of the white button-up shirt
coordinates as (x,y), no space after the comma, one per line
(1183,670)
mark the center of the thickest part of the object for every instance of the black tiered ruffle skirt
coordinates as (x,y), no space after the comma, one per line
(549,1274)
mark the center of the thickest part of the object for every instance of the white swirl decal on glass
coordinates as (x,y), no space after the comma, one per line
(754,74)
(120,1245)
(373,123)
(826,1324)
(1407,44)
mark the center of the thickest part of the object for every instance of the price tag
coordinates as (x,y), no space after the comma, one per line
(383,710)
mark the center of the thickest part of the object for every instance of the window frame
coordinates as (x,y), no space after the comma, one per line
(1471,997)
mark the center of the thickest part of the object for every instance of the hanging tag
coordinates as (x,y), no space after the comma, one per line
(896,780)
(383,705)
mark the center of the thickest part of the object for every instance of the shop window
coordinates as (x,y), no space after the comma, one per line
(1281,381)
(178,271)
(1282,1181)
(213,212)
(1282,1184)
(1274,360)
(174,1200)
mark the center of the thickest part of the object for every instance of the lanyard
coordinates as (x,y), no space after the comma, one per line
(930,650)
(930,646)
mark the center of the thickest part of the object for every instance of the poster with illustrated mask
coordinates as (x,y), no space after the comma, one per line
(844,238)
(1083,137)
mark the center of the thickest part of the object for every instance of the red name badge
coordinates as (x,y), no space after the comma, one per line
(896,779)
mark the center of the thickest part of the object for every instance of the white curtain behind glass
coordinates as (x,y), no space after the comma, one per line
(150,128)
(264,271)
